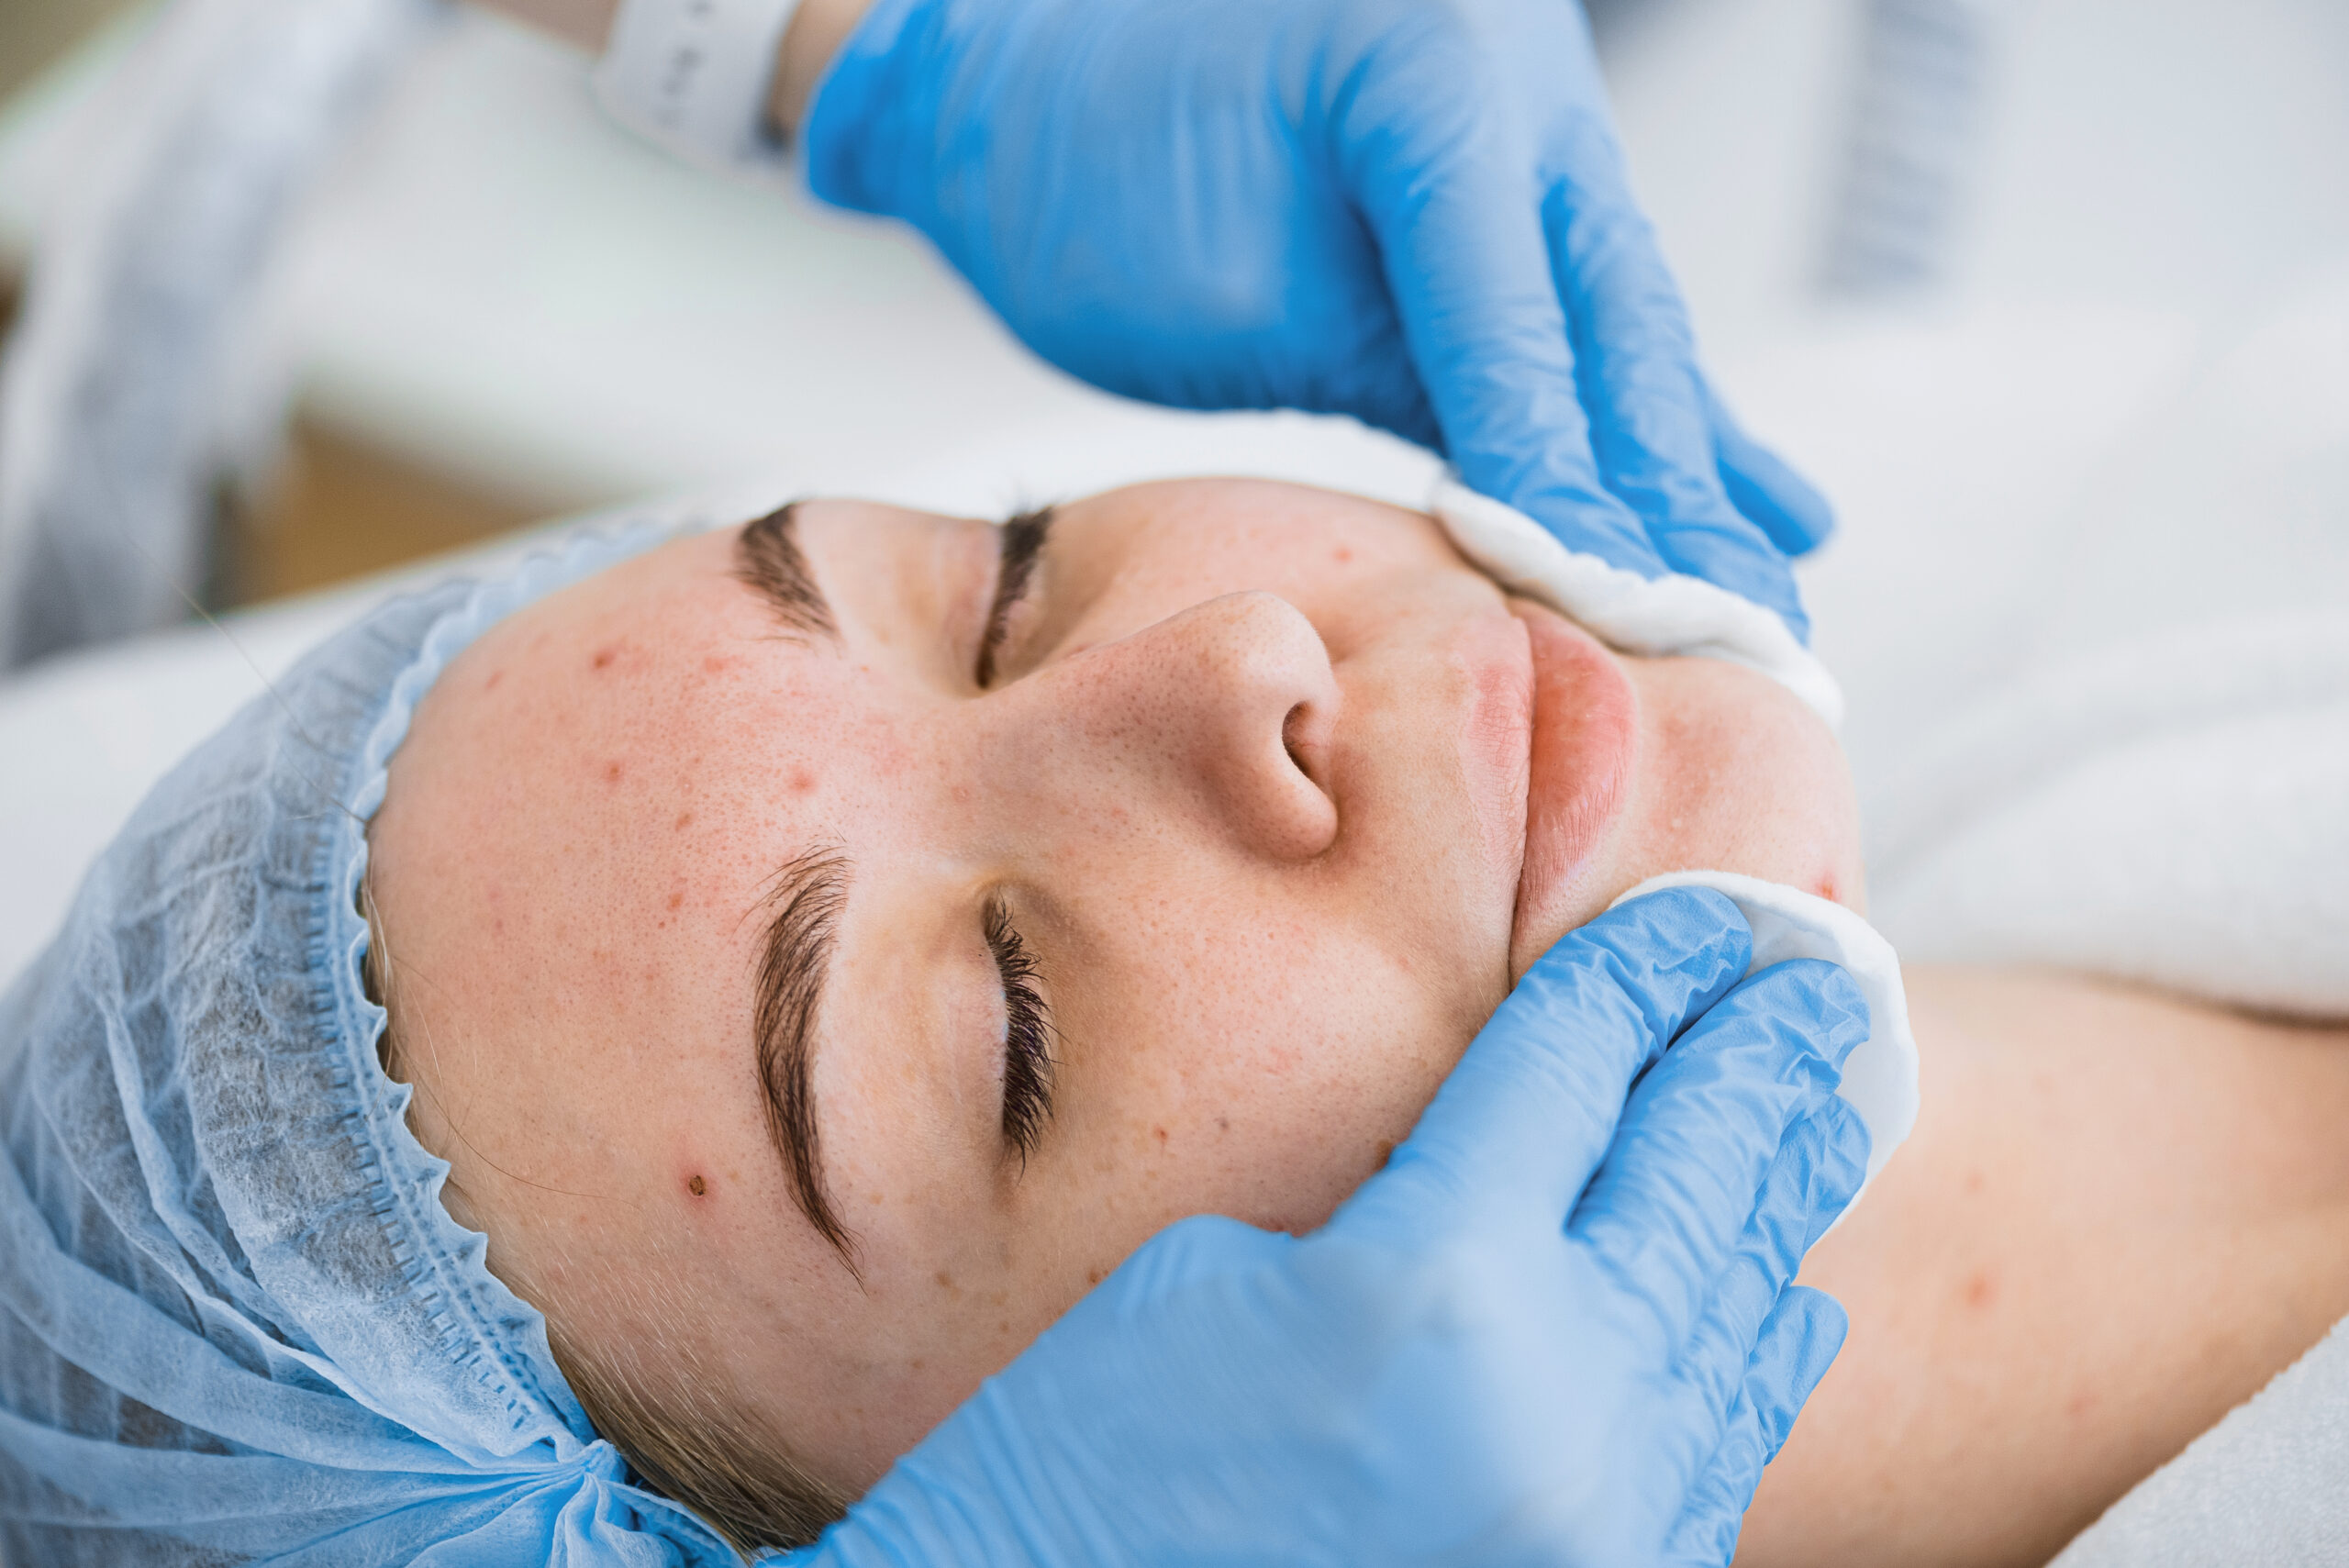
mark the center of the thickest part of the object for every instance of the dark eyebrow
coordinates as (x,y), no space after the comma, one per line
(805,898)
(767,558)
(1023,546)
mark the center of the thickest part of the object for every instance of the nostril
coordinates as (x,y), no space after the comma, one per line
(1300,741)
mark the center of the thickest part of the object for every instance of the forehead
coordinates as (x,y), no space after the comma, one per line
(609,773)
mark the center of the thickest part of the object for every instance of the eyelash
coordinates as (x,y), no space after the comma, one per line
(1028,1035)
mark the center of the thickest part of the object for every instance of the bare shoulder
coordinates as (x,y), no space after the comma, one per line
(2120,1214)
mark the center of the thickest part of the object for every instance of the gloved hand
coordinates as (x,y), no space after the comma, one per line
(1411,211)
(1538,1335)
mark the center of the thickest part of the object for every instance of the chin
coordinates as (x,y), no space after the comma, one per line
(1737,773)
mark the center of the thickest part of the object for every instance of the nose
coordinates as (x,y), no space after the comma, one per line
(1221,714)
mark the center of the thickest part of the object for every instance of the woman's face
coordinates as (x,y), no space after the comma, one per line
(871,953)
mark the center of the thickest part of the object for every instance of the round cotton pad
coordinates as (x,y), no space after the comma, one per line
(1880,1075)
(1667,615)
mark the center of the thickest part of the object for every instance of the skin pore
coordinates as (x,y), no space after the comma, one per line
(1252,800)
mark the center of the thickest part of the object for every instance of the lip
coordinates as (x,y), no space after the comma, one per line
(1584,734)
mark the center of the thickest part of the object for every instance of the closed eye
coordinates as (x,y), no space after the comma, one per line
(1027,1036)
(1022,546)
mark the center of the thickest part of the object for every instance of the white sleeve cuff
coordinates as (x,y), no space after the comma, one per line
(693,77)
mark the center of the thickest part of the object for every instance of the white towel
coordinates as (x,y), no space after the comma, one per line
(2175,812)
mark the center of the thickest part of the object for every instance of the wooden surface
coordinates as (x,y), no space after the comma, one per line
(34,32)
(340,507)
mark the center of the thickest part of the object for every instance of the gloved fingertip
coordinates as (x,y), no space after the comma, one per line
(1841,1164)
(1850,1026)
(1828,1148)
(1838,1010)
(1803,1337)
(1824,1328)
(1762,486)
(1777,500)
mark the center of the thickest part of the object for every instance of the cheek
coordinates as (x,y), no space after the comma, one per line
(1272,1096)
(1737,775)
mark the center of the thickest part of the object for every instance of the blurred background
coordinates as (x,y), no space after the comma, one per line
(2050,296)
(491,305)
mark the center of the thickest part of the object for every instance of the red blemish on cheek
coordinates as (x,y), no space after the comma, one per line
(684,820)
(1973,1182)
(697,1186)
(676,898)
(1981,1289)
(1159,1133)
(604,657)
(612,772)
(1095,1276)
(1343,555)
(494,676)
(802,781)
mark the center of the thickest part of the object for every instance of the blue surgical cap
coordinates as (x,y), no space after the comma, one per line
(236,1324)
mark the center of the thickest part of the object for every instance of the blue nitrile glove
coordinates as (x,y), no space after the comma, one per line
(1555,1329)
(1411,211)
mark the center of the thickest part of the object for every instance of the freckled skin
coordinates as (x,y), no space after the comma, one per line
(1229,786)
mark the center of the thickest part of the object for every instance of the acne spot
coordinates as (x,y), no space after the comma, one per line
(612,772)
(494,676)
(1159,1133)
(946,1283)
(1981,1289)
(697,1186)
(1974,1181)
(1223,1124)
(684,820)
(1095,1276)
(717,665)
(676,898)
(1343,555)
(2078,1406)
(802,781)
(604,657)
